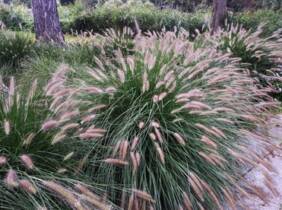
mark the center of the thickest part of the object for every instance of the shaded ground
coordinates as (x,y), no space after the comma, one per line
(256,175)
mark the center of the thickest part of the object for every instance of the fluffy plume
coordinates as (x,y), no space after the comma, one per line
(27,186)
(143,195)
(27,161)
(179,138)
(116,161)
(92,198)
(29,139)
(67,195)
(7,127)
(50,124)
(3,160)
(134,142)
(11,179)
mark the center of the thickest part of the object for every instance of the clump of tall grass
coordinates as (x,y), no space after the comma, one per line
(262,56)
(14,47)
(38,170)
(169,124)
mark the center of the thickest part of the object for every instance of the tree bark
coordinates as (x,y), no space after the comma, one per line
(219,14)
(46,21)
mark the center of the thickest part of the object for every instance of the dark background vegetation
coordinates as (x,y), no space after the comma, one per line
(96,16)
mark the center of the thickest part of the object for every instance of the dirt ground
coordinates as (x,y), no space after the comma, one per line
(256,175)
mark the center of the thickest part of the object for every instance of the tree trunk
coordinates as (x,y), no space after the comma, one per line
(219,14)
(46,21)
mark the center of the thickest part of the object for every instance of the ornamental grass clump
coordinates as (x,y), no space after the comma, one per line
(38,170)
(261,56)
(14,47)
(169,124)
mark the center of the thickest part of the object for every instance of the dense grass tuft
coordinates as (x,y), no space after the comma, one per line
(261,56)
(14,48)
(38,170)
(169,124)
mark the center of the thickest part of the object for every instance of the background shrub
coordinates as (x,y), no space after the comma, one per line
(76,17)
(272,20)
(117,15)
(14,48)
(147,17)
(16,17)
(68,13)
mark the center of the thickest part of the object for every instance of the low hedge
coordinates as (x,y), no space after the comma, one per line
(148,18)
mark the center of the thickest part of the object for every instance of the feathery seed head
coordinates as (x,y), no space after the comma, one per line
(27,161)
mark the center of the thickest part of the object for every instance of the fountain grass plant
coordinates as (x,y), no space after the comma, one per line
(168,124)
(262,56)
(37,171)
(14,47)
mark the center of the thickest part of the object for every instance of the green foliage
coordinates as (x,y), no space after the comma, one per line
(269,4)
(272,20)
(68,14)
(16,17)
(46,58)
(40,68)
(82,51)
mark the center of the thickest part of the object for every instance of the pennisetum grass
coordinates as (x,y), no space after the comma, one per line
(167,123)
(261,56)
(38,155)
